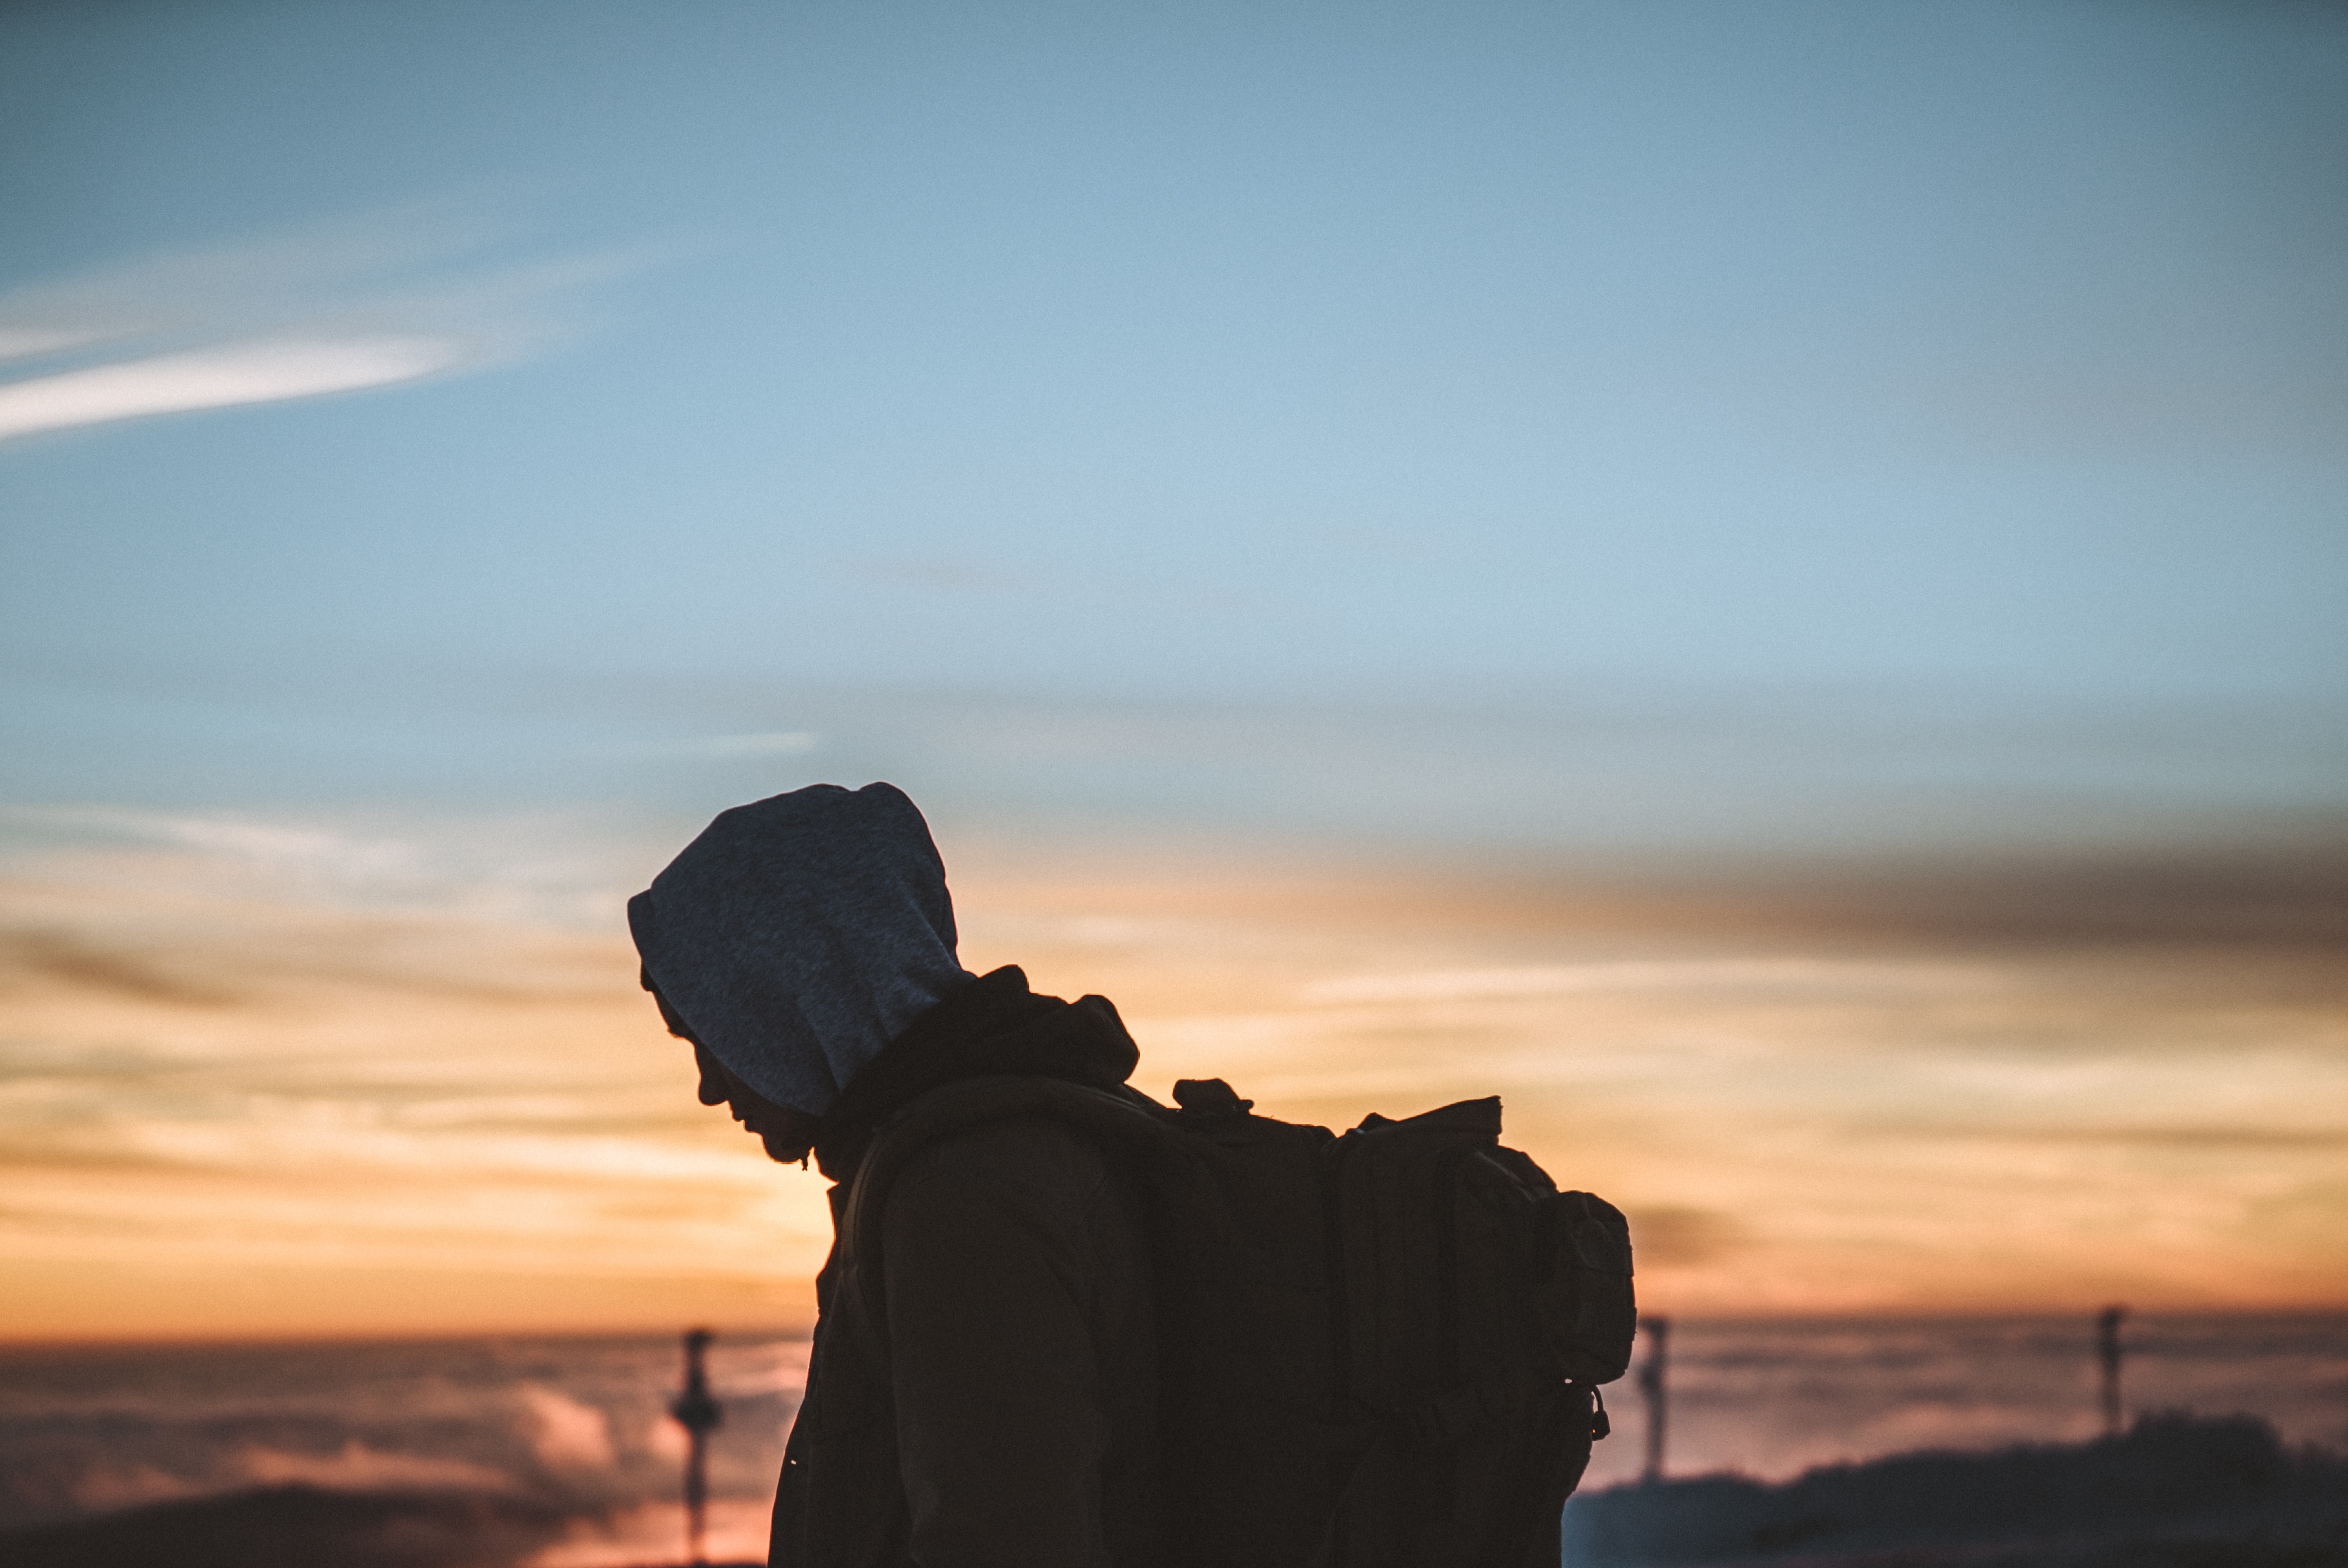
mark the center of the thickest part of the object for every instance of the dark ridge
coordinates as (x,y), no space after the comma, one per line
(2175,1491)
(297,1527)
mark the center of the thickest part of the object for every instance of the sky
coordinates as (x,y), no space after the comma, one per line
(1767,580)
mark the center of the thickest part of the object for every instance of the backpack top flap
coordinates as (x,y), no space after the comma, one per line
(1394,1253)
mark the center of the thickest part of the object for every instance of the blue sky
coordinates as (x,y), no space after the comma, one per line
(1767,580)
(1961,374)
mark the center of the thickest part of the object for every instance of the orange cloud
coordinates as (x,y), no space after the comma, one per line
(227,1113)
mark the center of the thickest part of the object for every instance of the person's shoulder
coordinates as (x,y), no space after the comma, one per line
(1033,1140)
(1029,1160)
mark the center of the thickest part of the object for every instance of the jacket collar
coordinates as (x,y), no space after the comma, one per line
(989,1026)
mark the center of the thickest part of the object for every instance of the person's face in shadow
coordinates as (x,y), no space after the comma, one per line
(789,1134)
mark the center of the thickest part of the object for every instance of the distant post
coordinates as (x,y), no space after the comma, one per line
(1650,1387)
(2107,1355)
(698,1414)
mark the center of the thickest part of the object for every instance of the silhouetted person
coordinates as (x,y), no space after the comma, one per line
(984,1392)
(699,1414)
(1650,1387)
(2108,1358)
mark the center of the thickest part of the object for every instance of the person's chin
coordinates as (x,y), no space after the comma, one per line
(781,1149)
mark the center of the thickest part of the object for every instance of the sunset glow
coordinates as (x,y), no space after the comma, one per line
(235,1112)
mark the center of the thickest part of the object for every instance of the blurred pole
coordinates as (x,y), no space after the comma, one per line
(2107,1354)
(1651,1386)
(698,1414)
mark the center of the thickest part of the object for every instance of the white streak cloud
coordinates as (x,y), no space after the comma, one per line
(223,377)
(379,300)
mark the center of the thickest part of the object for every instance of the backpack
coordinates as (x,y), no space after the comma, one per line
(1378,1350)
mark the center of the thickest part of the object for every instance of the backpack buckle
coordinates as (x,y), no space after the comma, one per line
(1209,1097)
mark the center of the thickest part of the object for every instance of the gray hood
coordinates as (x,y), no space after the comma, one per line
(800,934)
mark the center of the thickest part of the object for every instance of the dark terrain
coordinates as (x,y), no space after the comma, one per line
(2175,1491)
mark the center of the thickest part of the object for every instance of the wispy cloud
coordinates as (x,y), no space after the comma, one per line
(312,851)
(1667,975)
(376,302)
(772,744)
(535,869)
(220,377)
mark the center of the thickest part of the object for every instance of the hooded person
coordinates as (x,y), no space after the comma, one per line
(991,1400)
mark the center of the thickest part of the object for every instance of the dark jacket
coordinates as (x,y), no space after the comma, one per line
(984,1392)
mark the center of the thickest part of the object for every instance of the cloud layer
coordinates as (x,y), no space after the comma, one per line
(352,1095)
(223,377)
(376,302)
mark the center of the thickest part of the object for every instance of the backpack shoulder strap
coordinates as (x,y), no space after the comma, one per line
(953,1108)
